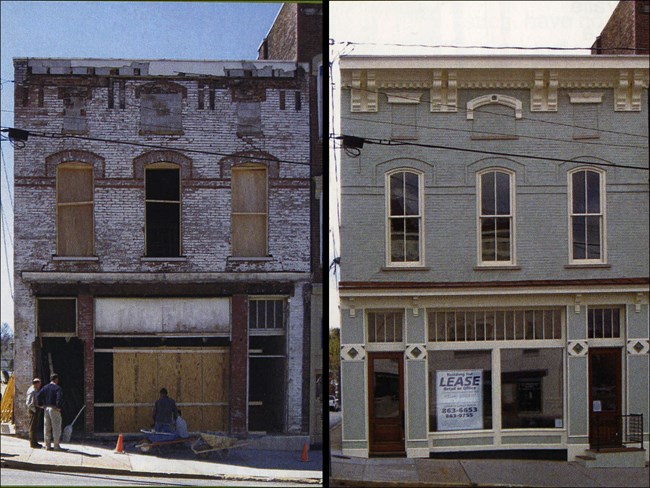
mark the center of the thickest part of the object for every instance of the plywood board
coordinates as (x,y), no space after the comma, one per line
(190,372)
(215,419)
(192,416)
(169,374)
(146,378)
(216,375)
(123,377)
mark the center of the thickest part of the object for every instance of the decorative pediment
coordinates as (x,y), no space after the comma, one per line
(364,91)
(586,97)
(404,97)
(506,100)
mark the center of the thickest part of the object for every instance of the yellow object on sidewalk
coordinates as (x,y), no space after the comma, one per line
(8,402)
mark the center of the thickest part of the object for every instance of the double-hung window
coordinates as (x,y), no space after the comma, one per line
(496,217)
(404,226)
(586,216)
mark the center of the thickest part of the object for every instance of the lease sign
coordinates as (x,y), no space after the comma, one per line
(459,399)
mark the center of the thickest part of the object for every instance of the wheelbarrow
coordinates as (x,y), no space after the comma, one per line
(155,439)
(208,442)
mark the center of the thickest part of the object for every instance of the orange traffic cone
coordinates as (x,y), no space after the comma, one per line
(119,448)
(304,458)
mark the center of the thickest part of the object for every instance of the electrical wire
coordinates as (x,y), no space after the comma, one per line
(460,109)
(384,142)
(4,166)
(52,135)
(11,290)
(518,136)
(455,46)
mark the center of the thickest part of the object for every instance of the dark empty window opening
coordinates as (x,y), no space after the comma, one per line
(282,100)
(57,316)
(163,210)
(264,314)
(298,102)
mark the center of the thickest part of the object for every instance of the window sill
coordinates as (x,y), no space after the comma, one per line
(161,132)
(505,267)
(493,138)
(587,265)
(405,268)
(76,258)
(180,259)
(243,259)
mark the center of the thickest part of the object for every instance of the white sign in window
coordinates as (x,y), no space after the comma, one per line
(459,399)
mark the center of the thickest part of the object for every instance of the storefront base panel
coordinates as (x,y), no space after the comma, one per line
(530,440)
(470,443)
(417,452)
(549,454)
(362,453)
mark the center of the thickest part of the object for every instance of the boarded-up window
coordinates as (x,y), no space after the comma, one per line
(249,120)
(74,189)
(585,121)
(249,211)
(494,121)
(163,210)
(161,113)
(57,316)
(74,115)
(403,121)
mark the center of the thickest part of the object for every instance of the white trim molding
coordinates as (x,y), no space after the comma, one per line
(627,92)
(353,352)
(404,97)
(508,101)
(543,93)
(586,97)
(577,348)
(444,91)
(416,352)
(637,347)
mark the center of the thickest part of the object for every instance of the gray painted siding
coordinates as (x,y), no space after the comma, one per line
(450,193)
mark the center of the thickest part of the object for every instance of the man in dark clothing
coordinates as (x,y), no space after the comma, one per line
(51,398)
(164,413)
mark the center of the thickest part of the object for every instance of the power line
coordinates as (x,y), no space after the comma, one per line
(455,46)
(11,239)
(4,166)
(52,135)
(495,133)
(11,291)
(460,109)
(385,142)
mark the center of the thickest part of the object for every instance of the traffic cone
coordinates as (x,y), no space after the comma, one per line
(304,458)
(119,448)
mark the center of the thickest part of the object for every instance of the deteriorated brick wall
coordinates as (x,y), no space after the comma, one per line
(626,28)
(119,193)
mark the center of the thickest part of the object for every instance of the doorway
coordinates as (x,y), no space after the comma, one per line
(386,403)
(604,397)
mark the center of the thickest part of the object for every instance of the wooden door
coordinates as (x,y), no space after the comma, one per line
(604,397)
(386,403)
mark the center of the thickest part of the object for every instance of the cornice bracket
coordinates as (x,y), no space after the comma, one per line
(444,91)
(364,91)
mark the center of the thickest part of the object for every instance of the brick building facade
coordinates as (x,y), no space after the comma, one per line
(162,240)
(297,35)
(627,28)
(494,254)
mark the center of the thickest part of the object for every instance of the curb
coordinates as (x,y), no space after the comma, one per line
(11,464)
(338,482)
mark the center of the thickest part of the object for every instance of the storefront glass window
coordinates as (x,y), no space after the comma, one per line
(531,388)
(460,390)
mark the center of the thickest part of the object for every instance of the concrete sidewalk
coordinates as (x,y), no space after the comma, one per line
(397,472)
(239,464)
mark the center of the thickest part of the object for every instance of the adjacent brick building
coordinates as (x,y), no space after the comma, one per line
(494,254)
(162,226)
(628,28)
(297,35)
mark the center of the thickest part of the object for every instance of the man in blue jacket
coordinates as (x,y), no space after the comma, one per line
(51,398)
(164,413)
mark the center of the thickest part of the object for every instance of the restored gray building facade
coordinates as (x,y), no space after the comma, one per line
(494,253)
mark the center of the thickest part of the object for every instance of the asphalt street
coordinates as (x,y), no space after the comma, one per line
(15,477)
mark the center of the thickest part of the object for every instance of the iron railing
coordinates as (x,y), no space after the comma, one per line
(609,430)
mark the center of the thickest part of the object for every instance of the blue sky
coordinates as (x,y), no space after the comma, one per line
(149,30)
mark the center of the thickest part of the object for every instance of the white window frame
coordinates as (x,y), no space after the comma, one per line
(405,264)
(512,216)
(378,346)
(602,215)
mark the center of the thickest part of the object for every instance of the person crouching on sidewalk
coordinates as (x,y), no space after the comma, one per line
(34,413)
(51,397)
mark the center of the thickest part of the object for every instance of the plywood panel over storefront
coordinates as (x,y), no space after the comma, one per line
(197,378)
